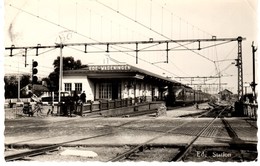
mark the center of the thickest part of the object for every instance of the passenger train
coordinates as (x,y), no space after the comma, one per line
(182,96)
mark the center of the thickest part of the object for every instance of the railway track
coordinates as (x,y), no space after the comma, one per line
(50,148)
(56,123)
(177,152)
(185,150)
(136,153)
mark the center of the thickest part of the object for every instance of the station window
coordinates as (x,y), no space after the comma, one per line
(78,87)
(67,87)
(105,91)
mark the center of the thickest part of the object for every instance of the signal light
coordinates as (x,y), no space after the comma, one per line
(34,72)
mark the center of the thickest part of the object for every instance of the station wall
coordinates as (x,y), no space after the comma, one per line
(126,88)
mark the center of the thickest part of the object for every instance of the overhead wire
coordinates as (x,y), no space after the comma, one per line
(178,68)
(51,22)
(140,59)
(20,68)
(182,18)
(137,22)
(224,59)
(230,52)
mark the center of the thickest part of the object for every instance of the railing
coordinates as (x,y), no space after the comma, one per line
(250,110)
(95,106)
(15,100)
(244,109)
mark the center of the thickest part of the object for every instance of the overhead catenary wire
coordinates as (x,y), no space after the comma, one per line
(178,67)
(228,54)
(128,54)
(149,28)
(51,22)
(177,16)
(54,23)
(117,46)
(225,58)
(140,59)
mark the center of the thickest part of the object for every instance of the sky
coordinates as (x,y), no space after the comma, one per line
(46,22)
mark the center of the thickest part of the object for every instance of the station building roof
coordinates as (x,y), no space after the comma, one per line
(118,71)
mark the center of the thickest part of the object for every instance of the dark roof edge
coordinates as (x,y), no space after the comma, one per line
(140,70)
(133,68)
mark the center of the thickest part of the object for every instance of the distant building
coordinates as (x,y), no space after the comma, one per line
(37,89)
(225,95)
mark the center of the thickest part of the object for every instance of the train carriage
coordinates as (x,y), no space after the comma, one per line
(182,96)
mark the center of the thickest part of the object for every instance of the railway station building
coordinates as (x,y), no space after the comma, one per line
(111,82)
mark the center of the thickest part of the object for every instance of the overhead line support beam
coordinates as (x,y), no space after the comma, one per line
(129,42)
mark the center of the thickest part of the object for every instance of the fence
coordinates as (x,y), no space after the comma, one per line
(250,110)
(244,109)
(13,102)
(98,106)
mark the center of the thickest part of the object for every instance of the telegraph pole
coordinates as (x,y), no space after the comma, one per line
(253,84)
(60,78)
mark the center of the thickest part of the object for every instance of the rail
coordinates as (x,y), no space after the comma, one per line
(138,147)
(31,153)
(54,147)
(182,152)
(185,150)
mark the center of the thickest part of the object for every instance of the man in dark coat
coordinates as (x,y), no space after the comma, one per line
(83,97)
(75,100)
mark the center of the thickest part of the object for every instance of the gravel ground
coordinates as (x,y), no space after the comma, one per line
(125,129)
(17,112)
(163,154)
(104,154)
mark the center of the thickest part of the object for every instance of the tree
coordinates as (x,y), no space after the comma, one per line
(11,85)
(25,80)
(68,64)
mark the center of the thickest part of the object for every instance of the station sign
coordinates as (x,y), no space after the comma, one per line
(109,67)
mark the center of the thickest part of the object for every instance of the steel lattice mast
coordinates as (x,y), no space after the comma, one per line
(240,68)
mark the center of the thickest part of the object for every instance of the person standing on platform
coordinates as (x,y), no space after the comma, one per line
(83,97)
(75,100)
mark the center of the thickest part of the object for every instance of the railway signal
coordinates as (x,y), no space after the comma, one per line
(34,72)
